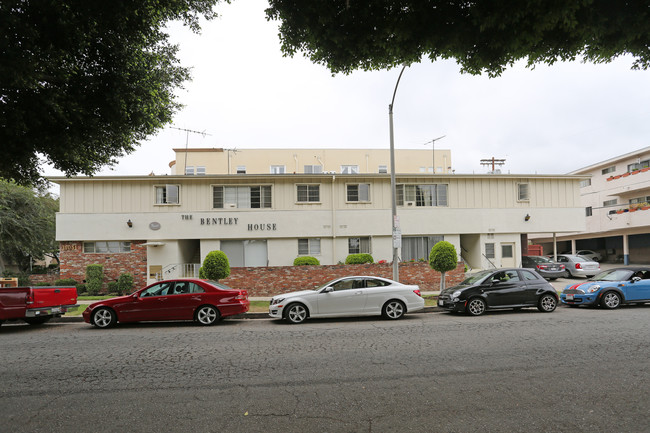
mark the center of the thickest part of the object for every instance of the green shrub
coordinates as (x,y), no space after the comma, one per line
(359,259)
(443,258)
(81,289)
(42,284)
(65,282)
(306,261)
(113,287)
(125,283)
(215,266)
(94,278)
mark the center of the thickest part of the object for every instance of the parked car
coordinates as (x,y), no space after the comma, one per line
(36,305)
(202,301)
(348,296)
(544,266)
(591,255)
(578,266)
(611,288)
(499,289)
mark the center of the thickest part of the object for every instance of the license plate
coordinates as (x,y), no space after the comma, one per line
(441,302)
(56,310)
(569,297)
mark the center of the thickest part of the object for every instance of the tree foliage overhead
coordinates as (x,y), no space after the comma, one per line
(82,82)
(482,36)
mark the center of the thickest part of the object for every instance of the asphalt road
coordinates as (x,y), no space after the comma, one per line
(574,370)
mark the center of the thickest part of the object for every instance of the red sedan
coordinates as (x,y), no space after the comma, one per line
(202,301)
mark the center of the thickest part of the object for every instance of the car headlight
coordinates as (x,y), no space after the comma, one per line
(456,294)
(594,288)
(276,301)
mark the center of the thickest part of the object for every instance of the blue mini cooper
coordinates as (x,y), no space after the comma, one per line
(611,288)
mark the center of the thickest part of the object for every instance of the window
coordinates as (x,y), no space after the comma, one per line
(584,183)
(422,195)
(637,200)
(371,282)
(507,251)
(383,169)
(278,169)
(418,247)
(244,197)
(107,247)
(489,250)
(200,171)
(313,169)
(358,192)
(189,170)
(522,192)
(609,203)
(167,194)
(349,169)
(588,211)
(241,169)
(359,245)
(309,247)
(506,276)
(639,165)
(609,169)
(308,193)
(528,276)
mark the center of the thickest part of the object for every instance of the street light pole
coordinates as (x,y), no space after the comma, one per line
(397,235)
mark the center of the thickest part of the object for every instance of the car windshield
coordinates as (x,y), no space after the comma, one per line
(219,285)
(613,275)
(540,259)
(477,277)
(582,259)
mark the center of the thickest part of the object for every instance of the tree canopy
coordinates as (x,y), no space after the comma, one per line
(82,82)
(482,36)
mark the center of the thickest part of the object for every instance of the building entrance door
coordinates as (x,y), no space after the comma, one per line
(508,255)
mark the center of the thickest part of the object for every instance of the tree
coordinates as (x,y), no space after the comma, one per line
(443,258)
(82,82)
(215,266)
(27,224)
(346,35)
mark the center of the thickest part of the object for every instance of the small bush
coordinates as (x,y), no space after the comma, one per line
(125,283)
(215,266)
(65,282)
(113,287)
(43,284)
(359,259)
(81,289)
(94,278)
(306,261)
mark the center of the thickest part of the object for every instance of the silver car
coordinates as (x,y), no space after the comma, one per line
(348,296)
(578,266)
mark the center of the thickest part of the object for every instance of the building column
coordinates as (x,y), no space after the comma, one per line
(573,246)
(554,246)
(626,250)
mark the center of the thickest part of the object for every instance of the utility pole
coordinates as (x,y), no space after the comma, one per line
(187,135)
(493,162)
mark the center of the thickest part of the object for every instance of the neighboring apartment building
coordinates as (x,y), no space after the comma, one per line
(309,161)
(163,226)
(616,203)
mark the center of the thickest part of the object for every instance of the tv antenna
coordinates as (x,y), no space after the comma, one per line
(433,151)
(493,162)
(230,151)
(187,139)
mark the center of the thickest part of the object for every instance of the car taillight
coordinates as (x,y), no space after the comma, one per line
(561,267)
(241,297)
(29,299)
(417,292)
(578,266)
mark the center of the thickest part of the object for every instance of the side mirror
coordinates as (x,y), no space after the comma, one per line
(328,289)
(495,281)
(636,279)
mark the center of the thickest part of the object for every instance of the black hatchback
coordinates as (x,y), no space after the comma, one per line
(500,289)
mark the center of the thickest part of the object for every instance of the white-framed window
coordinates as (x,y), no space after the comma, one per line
(241,169)
(383,169)
(313,169)
(358,192)
(489,250)
(107,247)
(309,247)
(644,199)
(189,170)
(422,195)
(167,194)
(418,247)
(360,245)
(200,170)
(278,169)
(242,197)
(589,211)
(523,192)
(639,165)
(585,182)
(309,193)
(608,170)
(349,169)
(610,203)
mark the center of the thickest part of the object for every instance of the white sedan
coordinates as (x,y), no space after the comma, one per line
(348,296)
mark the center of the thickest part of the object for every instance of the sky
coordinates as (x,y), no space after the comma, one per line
(245,94)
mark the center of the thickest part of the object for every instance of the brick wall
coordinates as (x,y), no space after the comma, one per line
(74,262)
(43,278)
(274,280)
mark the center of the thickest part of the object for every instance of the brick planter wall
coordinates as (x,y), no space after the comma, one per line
(275,280)
(43,278)
(74,262)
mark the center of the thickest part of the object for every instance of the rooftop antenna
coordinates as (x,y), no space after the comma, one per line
(493,162)
(233,150)
(433,149)
(187,135)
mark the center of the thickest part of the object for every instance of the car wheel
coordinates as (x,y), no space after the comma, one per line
(547,303)
(104,318)
(36,320)
(476,306)
(610,300)
(207,315)
(393,310)
(567,274)
(295,313)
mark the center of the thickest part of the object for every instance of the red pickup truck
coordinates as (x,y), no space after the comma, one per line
(35,305)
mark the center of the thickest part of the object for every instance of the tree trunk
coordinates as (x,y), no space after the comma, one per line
(442,281)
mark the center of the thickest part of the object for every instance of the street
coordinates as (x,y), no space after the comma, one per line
(572,370)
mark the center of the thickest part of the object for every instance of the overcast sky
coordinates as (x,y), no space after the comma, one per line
(550,120)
